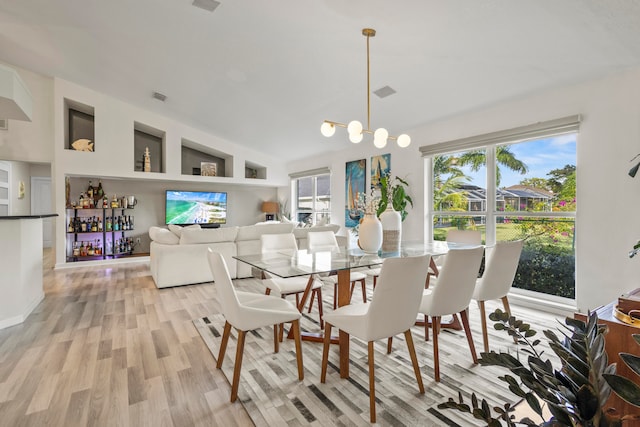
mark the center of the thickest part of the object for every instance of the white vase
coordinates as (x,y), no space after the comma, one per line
(391,229)
(370,234)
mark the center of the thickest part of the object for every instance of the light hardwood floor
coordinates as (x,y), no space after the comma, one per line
(107,348)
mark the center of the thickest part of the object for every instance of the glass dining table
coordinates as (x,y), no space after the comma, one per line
(340,262)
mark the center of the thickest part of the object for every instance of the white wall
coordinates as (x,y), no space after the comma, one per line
(608,199)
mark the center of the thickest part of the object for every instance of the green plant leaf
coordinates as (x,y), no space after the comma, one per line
(631,361)
(588,402)
(624,387)
(534,403)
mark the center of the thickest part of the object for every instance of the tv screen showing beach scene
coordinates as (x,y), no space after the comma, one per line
(196,207)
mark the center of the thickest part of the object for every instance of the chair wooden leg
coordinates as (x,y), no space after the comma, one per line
(426,327)
(238,365)
(281,332)
(335,296)
(435,323)
(483,322)
(389,345)
(372,385)
(313,294)
(223,344)
(295,325)
(298,300)
(320,311)
(325,351)
(464,315)
(505,303)
(364,290)
(414,359)
(276,339)
(267,291)
(375,281)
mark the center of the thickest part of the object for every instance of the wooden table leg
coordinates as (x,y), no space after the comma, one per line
(343,339)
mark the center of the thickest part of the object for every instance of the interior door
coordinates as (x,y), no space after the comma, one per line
(41,204)
(5,173)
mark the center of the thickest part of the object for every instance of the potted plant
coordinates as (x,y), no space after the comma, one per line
(396,191)
(575,393)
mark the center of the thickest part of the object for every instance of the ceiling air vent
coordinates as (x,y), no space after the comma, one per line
(385,91)
(209,5)
(159,96)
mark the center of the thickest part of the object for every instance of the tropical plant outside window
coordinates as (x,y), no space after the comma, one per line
(313,199)
(535,199)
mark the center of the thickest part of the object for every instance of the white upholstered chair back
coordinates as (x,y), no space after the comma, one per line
(321,241)
(285,243)
(397,296)
(229,303)
(501,263)
(456,281)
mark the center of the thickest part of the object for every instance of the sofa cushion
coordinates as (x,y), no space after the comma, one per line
(208,235)
(163,235)
(301,233)
(177,229)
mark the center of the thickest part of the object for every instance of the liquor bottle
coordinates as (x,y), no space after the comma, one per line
(109,227)
(98,247)
(71,228)
(130,222)
(90,190)
(100,226)
(116,225)
(83,226)
(90,250)
(100,189)
(83,250)
(94,224)
(76,249)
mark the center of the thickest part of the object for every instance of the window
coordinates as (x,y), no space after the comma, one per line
(312,197)
(516,184)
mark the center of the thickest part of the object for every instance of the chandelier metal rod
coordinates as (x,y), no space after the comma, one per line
(368,131)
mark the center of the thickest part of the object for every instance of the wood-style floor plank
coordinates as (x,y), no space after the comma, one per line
(106,347)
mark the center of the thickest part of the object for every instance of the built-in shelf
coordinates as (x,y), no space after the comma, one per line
(79,126)
(205,161)
(147,139)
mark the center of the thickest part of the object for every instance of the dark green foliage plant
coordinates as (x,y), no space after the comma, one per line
(575,393)
(395,190)
(547,270)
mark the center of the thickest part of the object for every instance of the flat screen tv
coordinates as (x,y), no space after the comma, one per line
(195,207)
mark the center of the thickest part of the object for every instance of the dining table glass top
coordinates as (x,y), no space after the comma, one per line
(304,262)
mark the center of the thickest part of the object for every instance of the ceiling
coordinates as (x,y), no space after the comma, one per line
(265,74)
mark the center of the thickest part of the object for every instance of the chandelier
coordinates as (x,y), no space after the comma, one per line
(354,128)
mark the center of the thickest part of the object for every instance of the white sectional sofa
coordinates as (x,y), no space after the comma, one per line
(178,256)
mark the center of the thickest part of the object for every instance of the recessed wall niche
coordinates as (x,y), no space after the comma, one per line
(79,126)
(148,148)
(254,171)
(198,159)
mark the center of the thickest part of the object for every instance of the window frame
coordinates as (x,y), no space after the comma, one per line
(315,210)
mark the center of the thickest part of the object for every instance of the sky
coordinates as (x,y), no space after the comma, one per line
(540,156)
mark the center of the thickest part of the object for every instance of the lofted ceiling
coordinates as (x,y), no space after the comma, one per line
(265,74)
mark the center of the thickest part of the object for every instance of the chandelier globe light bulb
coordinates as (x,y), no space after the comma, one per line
(354,127)
(404,140)
(355,137)
(327,129)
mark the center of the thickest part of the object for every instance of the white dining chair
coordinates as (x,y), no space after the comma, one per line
(456,283)
(469,237)
(249,312)
(501,264)
(326,241)
(392,310)
(286,243)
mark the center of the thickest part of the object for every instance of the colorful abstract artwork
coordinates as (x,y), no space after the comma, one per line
(380,166)
(355,174)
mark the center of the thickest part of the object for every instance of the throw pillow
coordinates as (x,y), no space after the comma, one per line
(177,229)
(162,235)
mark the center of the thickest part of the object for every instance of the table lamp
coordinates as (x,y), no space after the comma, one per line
(269,208)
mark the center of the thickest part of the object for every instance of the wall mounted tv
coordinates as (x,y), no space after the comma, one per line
(195,207)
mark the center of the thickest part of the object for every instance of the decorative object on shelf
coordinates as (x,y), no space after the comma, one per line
(114,202)
(208,169)
(131,201)
(355,129)
(82,144)
(67,192)
(391,229)
(380,166)
(147,160)
(270,209)
(195,171)
(355,173)
(21,190)
(370,233)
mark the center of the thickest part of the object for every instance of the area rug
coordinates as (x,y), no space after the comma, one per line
(272,395)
